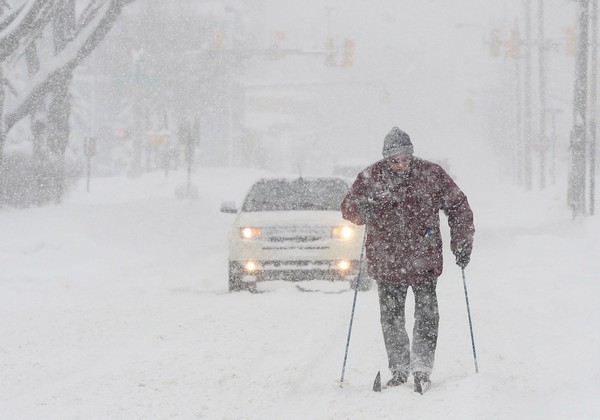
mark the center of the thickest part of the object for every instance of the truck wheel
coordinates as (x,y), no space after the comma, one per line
(235,277)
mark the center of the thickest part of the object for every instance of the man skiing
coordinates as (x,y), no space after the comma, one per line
(399,199)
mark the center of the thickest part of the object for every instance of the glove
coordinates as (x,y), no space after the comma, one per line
(462,257)
(365,208)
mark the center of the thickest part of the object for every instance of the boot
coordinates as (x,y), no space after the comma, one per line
(422,382)
(398,378)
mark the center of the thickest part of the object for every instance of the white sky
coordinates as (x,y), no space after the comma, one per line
(430,58)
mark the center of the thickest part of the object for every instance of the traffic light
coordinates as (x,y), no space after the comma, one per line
(570,40)
(278,37)
(495,42)
(330,56)
(512,44)
(218,39)
(348,53)
(89,147)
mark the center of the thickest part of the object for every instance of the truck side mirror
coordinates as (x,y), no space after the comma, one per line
(228,207)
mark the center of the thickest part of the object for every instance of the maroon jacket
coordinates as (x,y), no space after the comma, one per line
(403,240)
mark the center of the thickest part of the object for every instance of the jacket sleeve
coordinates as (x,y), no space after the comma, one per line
(460,216)
(356,194)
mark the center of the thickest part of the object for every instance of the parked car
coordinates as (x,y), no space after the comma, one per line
(292,229)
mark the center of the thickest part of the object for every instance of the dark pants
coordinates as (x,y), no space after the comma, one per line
(392,299)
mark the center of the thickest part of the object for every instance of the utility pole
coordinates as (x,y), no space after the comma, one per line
(576,188)
(542,143)
(89,149)
(553,112)
(518,105)
(527,100)
(593,76)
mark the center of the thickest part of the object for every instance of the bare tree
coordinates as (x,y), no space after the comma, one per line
(17,28)
(50,39)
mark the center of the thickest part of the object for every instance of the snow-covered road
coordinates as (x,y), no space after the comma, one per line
(114,305)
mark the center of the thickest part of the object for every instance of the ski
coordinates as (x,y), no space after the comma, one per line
(377,382)
(421,387)
(377,386)
(422,382)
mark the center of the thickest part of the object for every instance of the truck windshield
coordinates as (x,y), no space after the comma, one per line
(296,194)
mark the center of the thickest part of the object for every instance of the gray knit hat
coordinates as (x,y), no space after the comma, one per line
(396,142)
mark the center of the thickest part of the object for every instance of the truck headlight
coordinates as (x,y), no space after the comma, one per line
(343,232)
(343,265)
(249,232)
(250,266)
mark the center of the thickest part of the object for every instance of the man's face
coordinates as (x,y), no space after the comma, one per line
(400,162)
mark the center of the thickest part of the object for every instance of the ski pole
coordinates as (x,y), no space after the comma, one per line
(356,287)
(470,323)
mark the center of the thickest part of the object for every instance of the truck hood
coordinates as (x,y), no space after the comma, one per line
(283,218)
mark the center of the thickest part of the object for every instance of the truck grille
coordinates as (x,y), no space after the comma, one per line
(299,234)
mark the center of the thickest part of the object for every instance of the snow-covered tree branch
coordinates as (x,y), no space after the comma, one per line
(61,65)
(19,26)
(41,43)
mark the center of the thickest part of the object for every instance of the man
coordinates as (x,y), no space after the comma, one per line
(399,198)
